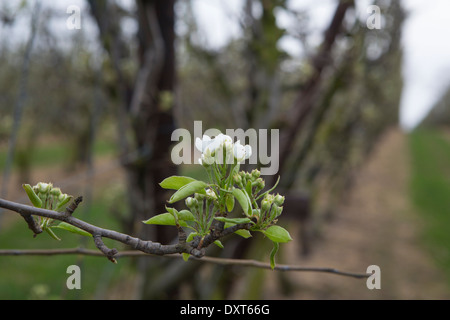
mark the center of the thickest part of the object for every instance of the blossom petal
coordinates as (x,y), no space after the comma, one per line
(248,151)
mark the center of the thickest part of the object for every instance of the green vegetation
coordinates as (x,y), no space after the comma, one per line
(430,189)
(44,277)
(49,154)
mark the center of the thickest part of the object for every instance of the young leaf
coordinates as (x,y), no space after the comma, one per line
(164,219)
(242,199)
(35,200)
(63,202)
(233,220)
(277,234)
(248,187)
(189,239)
(52,234)
(186,215)
(219,244)
(229,202)
(187,190)
(73,229)
(242,232)
(185,256)
(176,182)
(274,251)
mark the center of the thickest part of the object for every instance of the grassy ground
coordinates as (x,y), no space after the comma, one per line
(430,189)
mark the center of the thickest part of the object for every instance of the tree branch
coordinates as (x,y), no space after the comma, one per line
(218,261)
(194,247)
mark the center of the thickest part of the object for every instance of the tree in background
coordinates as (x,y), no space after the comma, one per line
(330,105)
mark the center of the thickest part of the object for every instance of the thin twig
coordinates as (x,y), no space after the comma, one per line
(146,246)
(214,260)
(143,247)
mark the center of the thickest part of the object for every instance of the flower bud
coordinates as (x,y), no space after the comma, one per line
(190,202)
(260,184)
(256,173)
(55,192)
(275,212)
(279,200)
(199,197)
(43,187)
(211,194)
(265,205)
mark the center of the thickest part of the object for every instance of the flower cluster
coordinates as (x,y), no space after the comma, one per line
(211,204)
(221,149)
(44,195)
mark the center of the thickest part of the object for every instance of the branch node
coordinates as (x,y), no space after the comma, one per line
(109,253)
(74,205)
(32,224)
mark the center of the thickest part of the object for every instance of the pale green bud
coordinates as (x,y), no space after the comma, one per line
(55,192)
(279,200)
(256,173)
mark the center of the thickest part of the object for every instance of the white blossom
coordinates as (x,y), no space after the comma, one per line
(241,152)
(213,150)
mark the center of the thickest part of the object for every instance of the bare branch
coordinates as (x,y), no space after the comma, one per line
(32,224)
(98,233)
(195,248)
(219,261)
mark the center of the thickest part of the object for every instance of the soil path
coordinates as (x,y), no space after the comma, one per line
(376,226)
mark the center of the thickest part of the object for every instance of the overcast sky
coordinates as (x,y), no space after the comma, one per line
(425,40)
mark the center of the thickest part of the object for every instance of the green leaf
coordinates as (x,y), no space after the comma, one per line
(189,239)
(187,190)
(242,199)
(277,234)
(186,215)
(52,234)
(219,244)
(185,256)
(176,182)
(35,200)
(233,220)
(73,229)
(248,187)
(229,198)
(274,251)
(63,203)
(242,232)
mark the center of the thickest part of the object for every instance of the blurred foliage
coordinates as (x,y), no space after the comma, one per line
(64,94)
(251,82)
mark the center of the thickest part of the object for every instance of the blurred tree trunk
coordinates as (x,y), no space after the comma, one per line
(146,101)
(146,110)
